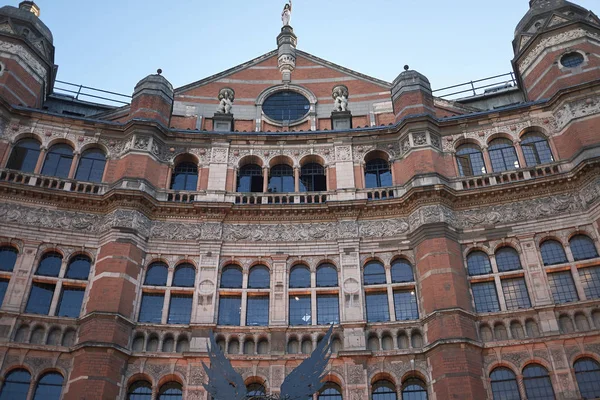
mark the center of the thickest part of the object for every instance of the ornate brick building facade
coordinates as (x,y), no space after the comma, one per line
(453,243)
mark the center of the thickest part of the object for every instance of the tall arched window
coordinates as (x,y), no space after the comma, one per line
(259,277)
(478,263)
(330,391)
(24,156)
(231,277)
(536,149)
(582,247)
(170,391)
(327,276)
(504,384)
(184,276)
(312,178)
(587,372)
(503,155)
(299,277)
(414,389)
(281,179)
(50,264)
(250,179)
(374,273)
(402,271)
(185,176)
(8,258)
(377,174)
(507,259)
(470,160)
(58,161)
(49,387)
(156,274)
(91,166)
(140,390)
(256,389)
(16,385)
(553,252)
(79,267)
(537,383)
(384,390)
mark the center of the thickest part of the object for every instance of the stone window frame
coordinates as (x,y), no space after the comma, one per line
(7,275)
(579,67)
(312,99)
(168,289)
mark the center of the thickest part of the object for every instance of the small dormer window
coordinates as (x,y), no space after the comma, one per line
(571,60)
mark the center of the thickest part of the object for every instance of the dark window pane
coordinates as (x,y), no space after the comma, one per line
(504,385)
(180,309)
(79,268)
(3,287)
(49,265)
(485,297)
(583,248)
(312,178)
(374,273)
(537,383)
(156,274)
(151,308)
(170,391)
(231,277)
(91,166)
(377,174)
(378,309)
(256,389)
(259,277)
(590,280)
(230,310)
(414,390)
(250,179)
(257,311)
(327,276)
(24,156)
(49,387)
(402,271)
(185,176)
(185,276)
(587,372)
(300,310)
(286,106)
(8,258)
(384,390)
(553,252)
(328,309)
(40,299)
(478,263)
(405,303)
(16,385)
(470,160)
(299,277)
(515,293)
(562,287)
(140,390)
(330,391)
(507,259)
(281,179)
(70,302)
(502,155)
(536,149)
(58,161)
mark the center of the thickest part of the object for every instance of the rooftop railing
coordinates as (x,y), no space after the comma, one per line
(91,94)
(490,85)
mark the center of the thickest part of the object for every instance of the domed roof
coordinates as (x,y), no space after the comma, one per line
(15,13)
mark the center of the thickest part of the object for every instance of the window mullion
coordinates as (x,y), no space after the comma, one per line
(313,306)
(166,304)
(244,307)
(500,292)
(55,298)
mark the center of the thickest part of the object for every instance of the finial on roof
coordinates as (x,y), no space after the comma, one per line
(159,71)
(31,7)
(406,67)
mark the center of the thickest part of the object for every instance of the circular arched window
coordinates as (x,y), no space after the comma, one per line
(286,106)
(572,60)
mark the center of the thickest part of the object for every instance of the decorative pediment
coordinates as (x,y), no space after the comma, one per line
(593,18)
(6,27)
(556,20)
(524,40)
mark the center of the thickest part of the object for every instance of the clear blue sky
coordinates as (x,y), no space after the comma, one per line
(112,44)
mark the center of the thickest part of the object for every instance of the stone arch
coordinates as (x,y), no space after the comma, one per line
(379,375)
(378,153)
(186,157)
(516,329)
(280,159)
(485,333)
(160,259)
(312,158)
(97,145)
(500,135)
(335,377)
(534,129)
(174,376)
(251,159)
(312,98)
(581,322)
(139,376)
(66,141)
(466,141)
(22,333)
(9,368)
(500,332)
(502,364)
(27,135)
(37,334)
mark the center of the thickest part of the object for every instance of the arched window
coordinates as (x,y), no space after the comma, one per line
(504,384)
(49,264)
(140,390)
(8,258)
(384,390)
(185,176)
(91,166)
(250,179)
(553,252)
(587,372)
(507,259)
(414,389)
(49,387)
(470,160)
(299,277)
(259,277)
(58,161)
(402,271)
(256,389)
(537,383)
(156,274)
(170,391)
(503,155)
(16,385)
(281,179)
(24,156)
(582,247)
(327,276)
(536,149)
(377,174)
(330,391)
(185,275)
(312,178)
(478,263)
(79,268)
(374,273)
(231,277)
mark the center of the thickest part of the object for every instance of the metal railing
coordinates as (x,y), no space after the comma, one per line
(488,85)
(87,93)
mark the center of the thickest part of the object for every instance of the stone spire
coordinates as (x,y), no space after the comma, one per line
(286,45)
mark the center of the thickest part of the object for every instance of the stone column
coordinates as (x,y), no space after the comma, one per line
(486,160)
(74,165)
(296,179)
(40,162)
(520,155)
(265,179)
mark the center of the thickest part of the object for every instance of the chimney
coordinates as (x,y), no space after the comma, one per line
(31,7)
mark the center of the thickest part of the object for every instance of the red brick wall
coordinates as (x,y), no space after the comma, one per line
(423,162)
(17,86)
(137,166)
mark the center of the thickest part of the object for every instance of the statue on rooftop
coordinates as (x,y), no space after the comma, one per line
(340,98)
(286,15)
(226,98)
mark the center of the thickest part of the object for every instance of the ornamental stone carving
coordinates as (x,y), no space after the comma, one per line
(343,153)
(340,98)
(141,142)
(382,228)
(576,109)
(226,98)
(219,154)
(20,52)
